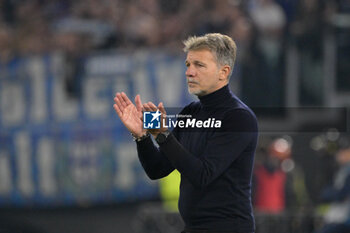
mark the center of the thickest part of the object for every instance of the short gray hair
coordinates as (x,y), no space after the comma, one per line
(223,47)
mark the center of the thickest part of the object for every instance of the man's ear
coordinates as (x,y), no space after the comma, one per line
(224,72)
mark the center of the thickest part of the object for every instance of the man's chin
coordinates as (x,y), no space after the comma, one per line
(194,91)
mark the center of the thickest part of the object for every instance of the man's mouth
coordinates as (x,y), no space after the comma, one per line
(191,82)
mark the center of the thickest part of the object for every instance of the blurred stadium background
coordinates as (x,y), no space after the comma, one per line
(68,165)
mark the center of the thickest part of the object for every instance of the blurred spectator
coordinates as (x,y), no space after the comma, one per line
(217,18)
(74,48)
(250,68)
(270,21)
(308,31)
(320,157)
(142,28)
(337,13)
(290,9)
(337,219)
(273,182)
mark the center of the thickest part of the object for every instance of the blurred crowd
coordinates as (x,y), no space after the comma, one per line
(261,28)
(39,26)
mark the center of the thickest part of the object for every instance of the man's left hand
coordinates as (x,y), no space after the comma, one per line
(150,107)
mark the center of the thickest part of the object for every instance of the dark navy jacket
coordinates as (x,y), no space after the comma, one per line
(215,164)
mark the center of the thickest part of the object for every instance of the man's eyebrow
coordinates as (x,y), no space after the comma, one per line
(198,62)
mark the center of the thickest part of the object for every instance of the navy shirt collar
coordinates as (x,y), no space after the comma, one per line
(217,97)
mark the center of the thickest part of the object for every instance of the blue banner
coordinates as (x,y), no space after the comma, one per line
(59,148)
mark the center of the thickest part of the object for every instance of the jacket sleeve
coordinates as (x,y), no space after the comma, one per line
(153,161)
(155,164)
(223,147)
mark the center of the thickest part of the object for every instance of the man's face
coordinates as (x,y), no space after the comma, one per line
(203,74)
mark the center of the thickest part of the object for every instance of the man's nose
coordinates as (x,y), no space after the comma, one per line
(190,72)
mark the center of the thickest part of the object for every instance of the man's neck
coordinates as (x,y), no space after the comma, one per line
(211,91)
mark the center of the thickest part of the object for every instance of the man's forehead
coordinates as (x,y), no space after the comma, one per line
(200,54)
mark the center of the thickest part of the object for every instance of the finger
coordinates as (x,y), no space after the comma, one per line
(119,104)
(161,108)
(121,100)
(152,106)
(139,107)
(126,98)
(146,107)
(117,109)
(138,103)
(136,114)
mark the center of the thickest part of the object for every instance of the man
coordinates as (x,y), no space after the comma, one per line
(215,163)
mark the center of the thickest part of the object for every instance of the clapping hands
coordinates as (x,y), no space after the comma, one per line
(132,114)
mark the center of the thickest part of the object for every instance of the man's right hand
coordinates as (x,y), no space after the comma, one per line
(130,114)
